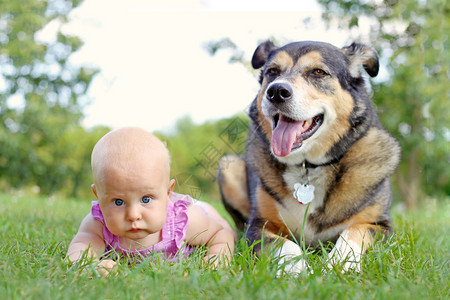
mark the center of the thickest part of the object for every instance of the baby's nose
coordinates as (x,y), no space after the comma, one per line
(133,213)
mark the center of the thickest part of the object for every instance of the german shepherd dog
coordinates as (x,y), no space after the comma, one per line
(317,161)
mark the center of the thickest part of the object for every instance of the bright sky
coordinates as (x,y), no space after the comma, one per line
(154,68)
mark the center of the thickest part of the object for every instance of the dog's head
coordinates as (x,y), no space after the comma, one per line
(313,102)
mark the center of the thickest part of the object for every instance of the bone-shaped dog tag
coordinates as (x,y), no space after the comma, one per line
(304,193)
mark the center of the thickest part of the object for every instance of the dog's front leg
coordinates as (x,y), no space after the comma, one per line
(289,261)
(349,248)
(287,252)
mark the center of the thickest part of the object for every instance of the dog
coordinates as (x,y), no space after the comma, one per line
(317,161)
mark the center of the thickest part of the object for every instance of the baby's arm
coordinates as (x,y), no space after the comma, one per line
(204,229)
(89,236)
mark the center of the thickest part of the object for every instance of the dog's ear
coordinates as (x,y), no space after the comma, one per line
(262,54)
(361,54)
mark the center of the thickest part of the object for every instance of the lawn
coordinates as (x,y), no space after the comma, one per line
(35,233)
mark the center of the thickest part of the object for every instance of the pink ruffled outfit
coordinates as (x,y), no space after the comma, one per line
(173,233)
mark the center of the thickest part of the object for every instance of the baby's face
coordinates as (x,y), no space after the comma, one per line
(133,197)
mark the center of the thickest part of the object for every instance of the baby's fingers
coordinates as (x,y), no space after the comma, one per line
(105,267)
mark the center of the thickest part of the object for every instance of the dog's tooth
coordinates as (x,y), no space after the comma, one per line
(307,123)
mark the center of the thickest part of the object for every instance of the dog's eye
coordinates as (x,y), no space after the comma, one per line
(273,71)
(319,72)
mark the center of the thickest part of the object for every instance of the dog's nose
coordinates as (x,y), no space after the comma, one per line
(279,93)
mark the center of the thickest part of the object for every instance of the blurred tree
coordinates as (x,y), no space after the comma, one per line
(79,142)
(197,149)
(41,95)
(236,55)
(412,38)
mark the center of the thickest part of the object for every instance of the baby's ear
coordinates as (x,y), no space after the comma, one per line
(171,186)
(94,190)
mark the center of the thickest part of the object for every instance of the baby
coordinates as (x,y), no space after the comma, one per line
(137,212)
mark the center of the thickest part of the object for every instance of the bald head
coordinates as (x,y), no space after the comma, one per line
(129,148)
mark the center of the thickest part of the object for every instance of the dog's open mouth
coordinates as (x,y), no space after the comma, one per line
(289,134)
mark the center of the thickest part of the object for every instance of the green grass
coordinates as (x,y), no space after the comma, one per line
(35,233)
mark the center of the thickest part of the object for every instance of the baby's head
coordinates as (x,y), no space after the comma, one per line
(130,150)
(130,163)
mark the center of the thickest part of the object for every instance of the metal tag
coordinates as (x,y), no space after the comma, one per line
(304,193)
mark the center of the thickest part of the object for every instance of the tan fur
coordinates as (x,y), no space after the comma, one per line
(361,173)
(272,180)
(308,61)
(367,215)
(282,60)
(360,234)
(265,125)
(269,211)
(234,183)
(342,104)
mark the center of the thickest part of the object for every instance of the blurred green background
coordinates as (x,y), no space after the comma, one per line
(44,148)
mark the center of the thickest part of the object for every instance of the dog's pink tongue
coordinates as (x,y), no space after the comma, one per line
(284,136)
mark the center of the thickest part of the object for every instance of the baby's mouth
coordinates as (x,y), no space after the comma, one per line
(289,134)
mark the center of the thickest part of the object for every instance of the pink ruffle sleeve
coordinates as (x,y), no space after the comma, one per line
(111,241)
(178,222)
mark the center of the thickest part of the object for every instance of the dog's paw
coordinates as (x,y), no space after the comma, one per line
(346,253)
(348,261)
(289,263)
(293,268)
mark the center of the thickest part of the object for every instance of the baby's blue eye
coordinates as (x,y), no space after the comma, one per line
(119,202)
(146,199)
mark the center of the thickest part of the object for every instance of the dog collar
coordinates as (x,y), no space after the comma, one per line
(309,165)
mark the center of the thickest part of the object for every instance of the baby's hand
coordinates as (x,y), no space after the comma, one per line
(212,261)
(105,266)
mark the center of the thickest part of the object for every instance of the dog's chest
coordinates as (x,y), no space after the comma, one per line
(294,214)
